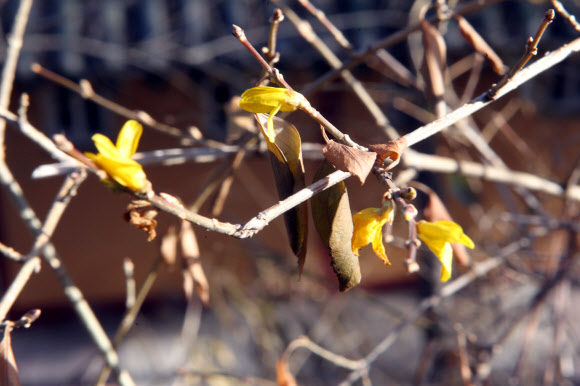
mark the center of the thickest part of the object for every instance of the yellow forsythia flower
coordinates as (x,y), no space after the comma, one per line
(437,236)
(271,100)
(368,226)
(116,159)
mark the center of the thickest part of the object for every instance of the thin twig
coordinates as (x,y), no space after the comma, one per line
(274,75)
(450,289)
(321,16)
(10,253)
(307,32)
(389,41)
(131,314)
(85,90)
(60,203)
(129,271)
(17,285)
(9,70)
(270,52)
(531,50)
(569,18)
(502,175)
(483,100)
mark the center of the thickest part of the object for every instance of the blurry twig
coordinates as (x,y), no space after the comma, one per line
(449,289)
(569,18)
(10,253)
(129,270)
(85,90)
(360,367)
(391,40)
(483,100)
(529,181)
(9,70)
(130,315)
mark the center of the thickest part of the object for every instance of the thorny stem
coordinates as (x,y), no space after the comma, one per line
(531,50)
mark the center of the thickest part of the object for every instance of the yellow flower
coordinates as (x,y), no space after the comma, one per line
(437,236)
(116,160)
(368,225)
(271,100)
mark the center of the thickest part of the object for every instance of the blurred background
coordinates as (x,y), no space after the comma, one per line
(177,61)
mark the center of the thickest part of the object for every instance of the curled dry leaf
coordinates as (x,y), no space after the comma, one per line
(435,58)
(142,214)
(286,157)
(168,247)
(435,210)
(8,368)
(333,220)
(193,274)
(474,39)
(391,150)
(349,159)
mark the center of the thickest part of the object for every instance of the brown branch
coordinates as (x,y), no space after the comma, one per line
(531,50)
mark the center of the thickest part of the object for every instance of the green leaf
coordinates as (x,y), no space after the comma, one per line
(333,221)
(286,158)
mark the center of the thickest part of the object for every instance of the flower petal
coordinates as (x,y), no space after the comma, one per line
(125,171)
(368,225)
(446,262)
(271,132)
(105,146)
(379,248)
(128,138)
(263,99)
(116,160)
(437,236)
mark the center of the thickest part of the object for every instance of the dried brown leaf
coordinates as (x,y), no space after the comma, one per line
(193,274)
(142,213)
(8,368)
(435,210)
(283,375)
(391,150)
(286,158)
(168,247)
(349,159)
(435,58)
(333,221)
(474,39)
